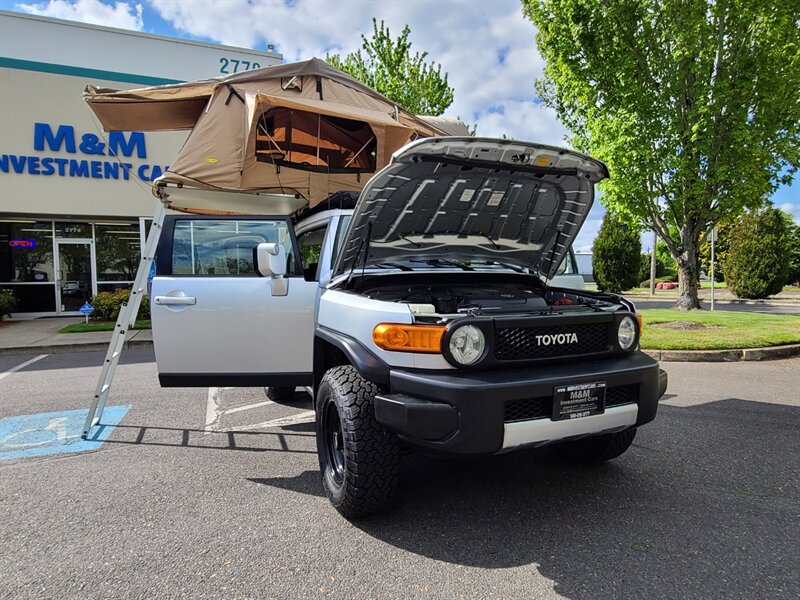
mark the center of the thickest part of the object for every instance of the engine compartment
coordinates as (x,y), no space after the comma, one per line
(486,297)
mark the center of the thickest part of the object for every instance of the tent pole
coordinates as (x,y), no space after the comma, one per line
(359,152)
(319,119)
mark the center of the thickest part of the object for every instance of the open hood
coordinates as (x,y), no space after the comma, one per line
(473,198)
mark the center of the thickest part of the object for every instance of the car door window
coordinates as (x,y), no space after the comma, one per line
(225,247)
(310,245)
(344,222)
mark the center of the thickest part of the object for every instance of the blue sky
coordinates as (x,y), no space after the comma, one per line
(486,46)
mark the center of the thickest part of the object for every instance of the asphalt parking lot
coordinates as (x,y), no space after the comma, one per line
(214,493)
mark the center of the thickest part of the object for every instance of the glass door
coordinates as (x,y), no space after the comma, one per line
(75,274)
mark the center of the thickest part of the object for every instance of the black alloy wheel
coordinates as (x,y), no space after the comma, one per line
(359,460)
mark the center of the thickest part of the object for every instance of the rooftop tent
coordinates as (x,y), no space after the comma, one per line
(303,130)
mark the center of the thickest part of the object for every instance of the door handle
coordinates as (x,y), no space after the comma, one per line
(175,300)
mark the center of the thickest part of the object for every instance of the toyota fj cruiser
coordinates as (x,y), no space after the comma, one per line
(423,316)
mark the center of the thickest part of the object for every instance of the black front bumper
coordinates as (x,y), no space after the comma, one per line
(463,412)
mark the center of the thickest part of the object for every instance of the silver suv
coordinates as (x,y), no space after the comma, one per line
(423,315)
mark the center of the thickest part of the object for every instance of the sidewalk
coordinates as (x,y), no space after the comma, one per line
(40,336)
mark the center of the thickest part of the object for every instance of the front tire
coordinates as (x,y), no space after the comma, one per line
(358,459)
(598,448)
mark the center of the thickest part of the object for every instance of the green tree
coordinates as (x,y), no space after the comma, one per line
(757,264)
(793,230)
(388,66)
(693,104)
(616,255)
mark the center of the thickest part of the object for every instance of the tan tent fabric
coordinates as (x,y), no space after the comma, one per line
(231,148)
(453,127)
(160,108)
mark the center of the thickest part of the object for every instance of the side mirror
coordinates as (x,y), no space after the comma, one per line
(270,261)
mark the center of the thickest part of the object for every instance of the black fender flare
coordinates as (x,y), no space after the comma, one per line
(369,366)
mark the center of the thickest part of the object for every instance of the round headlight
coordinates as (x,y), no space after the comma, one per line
(626,334)
(467,344)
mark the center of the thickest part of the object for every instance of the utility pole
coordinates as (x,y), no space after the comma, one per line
(653,265)
(713,241)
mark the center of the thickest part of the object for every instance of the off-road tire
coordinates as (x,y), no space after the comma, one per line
(598,448)
(360,468)
(280,394)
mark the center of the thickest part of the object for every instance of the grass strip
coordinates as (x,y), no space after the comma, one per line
(726,330)
(100,326)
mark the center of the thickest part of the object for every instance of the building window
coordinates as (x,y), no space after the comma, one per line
(74,230)
(26,264)
(118,249)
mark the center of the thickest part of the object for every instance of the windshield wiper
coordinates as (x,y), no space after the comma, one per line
(393,265)
(515,268)
(443,261)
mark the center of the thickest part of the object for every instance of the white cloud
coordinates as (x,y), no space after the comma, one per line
(120,14)
(793,209)
(524,120)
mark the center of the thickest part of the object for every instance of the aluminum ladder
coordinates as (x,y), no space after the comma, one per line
(125,321)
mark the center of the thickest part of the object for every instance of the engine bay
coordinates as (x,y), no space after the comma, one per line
(487,298)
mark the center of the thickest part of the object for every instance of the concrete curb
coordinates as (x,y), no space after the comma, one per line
(745,354)
(68,348)
(768,302)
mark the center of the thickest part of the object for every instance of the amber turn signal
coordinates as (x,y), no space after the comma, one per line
(408,338)
(640,320)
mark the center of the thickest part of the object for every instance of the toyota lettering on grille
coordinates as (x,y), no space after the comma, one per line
(559,338)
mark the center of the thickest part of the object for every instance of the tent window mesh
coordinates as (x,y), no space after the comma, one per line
(313,142)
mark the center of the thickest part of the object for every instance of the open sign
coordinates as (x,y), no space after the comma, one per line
(22,243)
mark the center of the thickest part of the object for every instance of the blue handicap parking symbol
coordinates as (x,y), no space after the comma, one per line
(43,434)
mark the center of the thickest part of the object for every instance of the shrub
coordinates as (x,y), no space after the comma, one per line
(616,255)
(665,279)
(108,304)
(794,250)
(644,267)
(757,264)
(7,303)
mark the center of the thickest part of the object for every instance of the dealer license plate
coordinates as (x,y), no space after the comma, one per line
(580,400)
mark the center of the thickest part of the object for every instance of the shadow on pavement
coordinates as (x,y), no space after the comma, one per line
(706,500)
(247,441)
(307,482)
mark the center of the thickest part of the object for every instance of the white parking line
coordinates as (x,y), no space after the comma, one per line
(22,366)
(213,409)
(303,417)
(215,412)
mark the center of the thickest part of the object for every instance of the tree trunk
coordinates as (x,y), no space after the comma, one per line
(688,275)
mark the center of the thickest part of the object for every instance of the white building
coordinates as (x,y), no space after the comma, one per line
(74,201)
